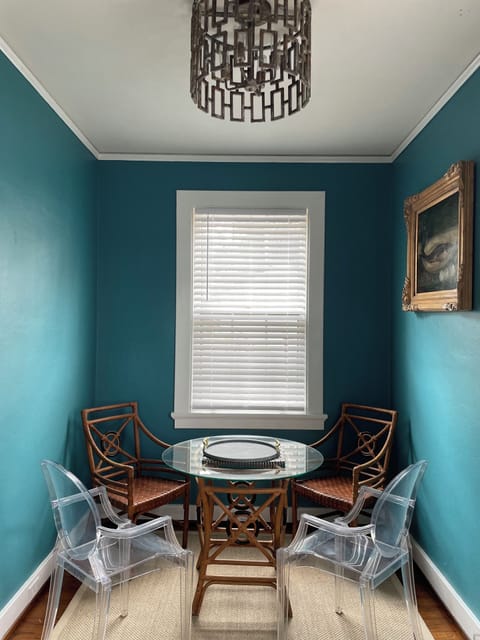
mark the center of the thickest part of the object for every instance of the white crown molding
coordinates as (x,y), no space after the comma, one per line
(39,88)
(449,93)
(462,614)
(12,611)
(260,158)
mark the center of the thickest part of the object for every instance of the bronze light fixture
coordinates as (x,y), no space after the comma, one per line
(250,59)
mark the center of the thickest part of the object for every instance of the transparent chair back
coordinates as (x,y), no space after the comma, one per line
(393,511)
(103,557)
(74,510)
(367,554)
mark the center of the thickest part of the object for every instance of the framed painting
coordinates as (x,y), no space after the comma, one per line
(439,224)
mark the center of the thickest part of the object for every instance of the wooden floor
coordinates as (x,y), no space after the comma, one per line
(437,618)
(441,624)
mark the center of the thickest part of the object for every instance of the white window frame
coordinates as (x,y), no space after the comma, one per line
(187,202)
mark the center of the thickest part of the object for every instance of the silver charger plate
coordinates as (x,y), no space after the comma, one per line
(240,451)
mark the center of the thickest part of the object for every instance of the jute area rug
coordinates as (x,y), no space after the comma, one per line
(240,612)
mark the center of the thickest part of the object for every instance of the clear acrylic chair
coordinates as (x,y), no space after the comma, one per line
(366,554)
(102,557)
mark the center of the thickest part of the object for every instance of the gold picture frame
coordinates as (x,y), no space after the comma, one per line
(439,224)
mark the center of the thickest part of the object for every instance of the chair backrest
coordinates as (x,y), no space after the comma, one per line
(112,433)
(363,434)
(75,513)
(393,511)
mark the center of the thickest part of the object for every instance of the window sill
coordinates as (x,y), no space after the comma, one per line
(289,422)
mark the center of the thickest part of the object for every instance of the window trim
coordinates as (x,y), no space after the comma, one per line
(187,201)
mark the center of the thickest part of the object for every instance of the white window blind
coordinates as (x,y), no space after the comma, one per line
(249,310)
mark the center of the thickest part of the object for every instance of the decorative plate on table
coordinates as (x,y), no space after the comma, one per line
(242,453)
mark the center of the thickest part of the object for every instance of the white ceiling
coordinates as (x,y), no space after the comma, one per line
(118,73)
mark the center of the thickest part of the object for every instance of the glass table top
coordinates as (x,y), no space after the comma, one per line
(295,458)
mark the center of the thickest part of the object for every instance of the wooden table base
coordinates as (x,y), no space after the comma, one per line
(241,522)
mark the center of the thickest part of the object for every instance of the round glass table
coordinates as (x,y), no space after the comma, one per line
(242,500)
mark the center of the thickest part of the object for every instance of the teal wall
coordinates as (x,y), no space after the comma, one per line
(47,314)
(136,275)
(437,365)
(53,334)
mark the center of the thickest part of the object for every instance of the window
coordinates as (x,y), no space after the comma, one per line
(249,334)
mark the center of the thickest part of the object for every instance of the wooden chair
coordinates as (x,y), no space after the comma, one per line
(361,440)
(115,436)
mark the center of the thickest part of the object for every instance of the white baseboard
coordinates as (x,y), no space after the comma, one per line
(463,616)
(176,511)
(12,611)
